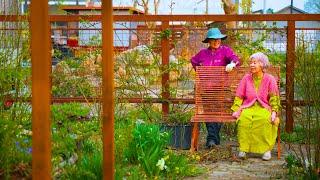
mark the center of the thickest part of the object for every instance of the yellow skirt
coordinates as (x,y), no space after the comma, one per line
(256,134)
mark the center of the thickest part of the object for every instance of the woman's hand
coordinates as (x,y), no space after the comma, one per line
(236,114)
(273,116)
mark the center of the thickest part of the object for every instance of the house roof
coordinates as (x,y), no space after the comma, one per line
(287,8)
(89,8)
(293,8)
(260,11)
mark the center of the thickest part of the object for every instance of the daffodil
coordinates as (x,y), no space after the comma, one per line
(161,164)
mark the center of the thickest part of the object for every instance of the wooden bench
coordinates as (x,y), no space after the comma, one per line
(215,90)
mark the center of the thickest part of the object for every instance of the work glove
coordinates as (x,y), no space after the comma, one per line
(230,66)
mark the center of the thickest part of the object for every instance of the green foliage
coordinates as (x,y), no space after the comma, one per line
(251,41)
(145,154)
(89,166)
(67,80)
(147,147)
(15,120)
(246,6)
(131,172)
(138,74)
(15,146)
(70,111)
(307,119)
(123,136)
(75,133)
(297,136)
(165,34)
(294,166)
(249,46)
(179,166)
(179,114)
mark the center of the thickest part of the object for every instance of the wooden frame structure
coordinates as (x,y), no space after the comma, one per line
(41,60)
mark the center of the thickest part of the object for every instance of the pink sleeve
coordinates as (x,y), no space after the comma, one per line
(273,87)
(241,90)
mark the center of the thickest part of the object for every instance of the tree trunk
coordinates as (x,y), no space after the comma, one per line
(230,9)
(156,6)
(9,7)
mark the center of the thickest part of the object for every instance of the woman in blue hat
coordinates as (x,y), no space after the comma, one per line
(215,55)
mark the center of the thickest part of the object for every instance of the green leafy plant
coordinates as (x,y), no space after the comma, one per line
(89,166)
(147,147)
(69,81)
(179,114)
(307,83)
(70,112)
(165,34)
(179,166)
(294,166)
(15,113)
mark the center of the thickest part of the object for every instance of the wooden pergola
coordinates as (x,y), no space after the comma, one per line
(41,70)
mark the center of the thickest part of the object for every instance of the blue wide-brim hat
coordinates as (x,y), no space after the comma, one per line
(214,33)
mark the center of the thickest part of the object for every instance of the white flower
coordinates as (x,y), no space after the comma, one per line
(139,121)
(161,164)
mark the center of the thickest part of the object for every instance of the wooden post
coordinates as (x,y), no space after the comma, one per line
(41,90)
(107,90)
(165,48)
(290,63)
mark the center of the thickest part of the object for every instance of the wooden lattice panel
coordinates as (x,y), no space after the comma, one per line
(216,89)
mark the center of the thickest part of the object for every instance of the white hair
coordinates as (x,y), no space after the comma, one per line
(262,58)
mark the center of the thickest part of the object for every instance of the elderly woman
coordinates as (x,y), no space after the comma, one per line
(215,55)
(256,106)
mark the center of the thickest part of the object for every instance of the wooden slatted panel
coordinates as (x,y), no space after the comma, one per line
(215,92)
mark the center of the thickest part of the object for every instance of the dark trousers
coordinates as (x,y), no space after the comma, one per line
(213,129)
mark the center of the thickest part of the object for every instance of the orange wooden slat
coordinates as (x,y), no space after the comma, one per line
(214,96)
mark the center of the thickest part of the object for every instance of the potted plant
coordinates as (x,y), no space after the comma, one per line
(178,125)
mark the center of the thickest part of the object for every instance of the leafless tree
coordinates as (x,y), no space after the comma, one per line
(145,5)
(9,7)
(229,8)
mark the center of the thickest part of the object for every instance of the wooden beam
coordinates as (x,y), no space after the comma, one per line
(107,90)
(41,96)
(291,58)
(247,17)
(164,68)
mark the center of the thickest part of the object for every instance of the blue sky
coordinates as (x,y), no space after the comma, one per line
(215,7)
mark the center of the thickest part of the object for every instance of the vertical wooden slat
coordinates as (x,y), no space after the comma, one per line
(290,63)
(107,90)
(165,48)
(41,62)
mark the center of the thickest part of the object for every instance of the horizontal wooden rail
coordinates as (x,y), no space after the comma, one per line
(251,17)
(247,17)
(157,29)
(140,100)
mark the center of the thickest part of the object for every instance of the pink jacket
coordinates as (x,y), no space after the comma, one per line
(248,93)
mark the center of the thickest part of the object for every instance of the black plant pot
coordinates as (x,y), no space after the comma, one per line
(180,135)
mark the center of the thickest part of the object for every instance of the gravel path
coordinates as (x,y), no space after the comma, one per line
(222,163)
